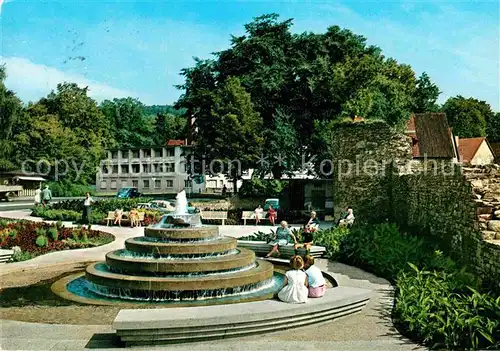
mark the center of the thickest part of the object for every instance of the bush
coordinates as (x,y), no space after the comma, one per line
(19,256)
(259,236)
(56,215)
(66,189)
(53,233)
(41,241)
(331,239)
(435,309)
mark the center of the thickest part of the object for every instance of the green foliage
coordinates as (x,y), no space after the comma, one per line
(20,256)
(84,238)
(41,241)
(56,215)
(229,129)
(59,225)
(261,187)
(41,231)
(75,234)
(68,189)
(53,233)
(259,236)
(13,233)
(493,128)
(168,126)
(433,308)
(467,116)
(331,239)
(426,95)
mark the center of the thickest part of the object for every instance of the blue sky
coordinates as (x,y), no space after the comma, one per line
(137,48)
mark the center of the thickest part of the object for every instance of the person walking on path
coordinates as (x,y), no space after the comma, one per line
(46,195)
(86,209)
(38,196)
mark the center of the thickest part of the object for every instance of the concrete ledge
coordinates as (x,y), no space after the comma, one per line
(261,248)
(186,324)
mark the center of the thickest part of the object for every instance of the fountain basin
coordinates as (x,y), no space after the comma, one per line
(172,248)
(191,233)
(97,273)
(242,258)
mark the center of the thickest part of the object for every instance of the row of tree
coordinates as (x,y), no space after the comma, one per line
(69,129)
(271,93)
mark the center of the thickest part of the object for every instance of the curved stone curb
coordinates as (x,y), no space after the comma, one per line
(151,327)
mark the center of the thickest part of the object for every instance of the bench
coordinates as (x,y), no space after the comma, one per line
(125,217)
(251,215)
(211,215)
(262,248)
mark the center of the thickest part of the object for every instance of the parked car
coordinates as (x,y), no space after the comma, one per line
(128,193)
(273,202)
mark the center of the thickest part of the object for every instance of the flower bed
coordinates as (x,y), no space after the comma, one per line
(31,239)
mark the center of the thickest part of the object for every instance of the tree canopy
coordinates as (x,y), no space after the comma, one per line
(468,116)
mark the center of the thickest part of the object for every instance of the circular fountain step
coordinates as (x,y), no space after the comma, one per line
(98,273)
(140,245)
(194,233)
(118,261)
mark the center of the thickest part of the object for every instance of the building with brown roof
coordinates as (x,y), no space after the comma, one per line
(431,136)
(476,151)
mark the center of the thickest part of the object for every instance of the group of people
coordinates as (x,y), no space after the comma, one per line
(43,197)
(133,216)
(272,215)
(304,279)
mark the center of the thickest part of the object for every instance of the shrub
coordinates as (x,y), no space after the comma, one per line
(331,239)
(261,187)
(84,238)
(259,236)
(76,233)
(19,256)
(53,233)
(41,241)
(66,189)
(13,233)
(59,225)
(435,309)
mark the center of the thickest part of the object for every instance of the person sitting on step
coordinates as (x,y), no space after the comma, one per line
(308,236)
(281,238)
(315,279)
(295,283)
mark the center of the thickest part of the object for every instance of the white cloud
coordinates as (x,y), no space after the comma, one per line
(31,81)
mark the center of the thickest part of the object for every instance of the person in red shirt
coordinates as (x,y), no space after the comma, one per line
(272,215)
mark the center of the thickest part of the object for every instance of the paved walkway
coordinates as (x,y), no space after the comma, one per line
(371,329)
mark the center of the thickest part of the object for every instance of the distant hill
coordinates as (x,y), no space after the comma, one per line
(153,110)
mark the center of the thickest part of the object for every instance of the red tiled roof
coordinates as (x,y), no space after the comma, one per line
(175,143)
(468,148)
(430,135)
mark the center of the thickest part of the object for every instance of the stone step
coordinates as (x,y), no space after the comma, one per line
(159,326)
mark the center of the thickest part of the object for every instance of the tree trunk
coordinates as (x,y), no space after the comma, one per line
(235,185)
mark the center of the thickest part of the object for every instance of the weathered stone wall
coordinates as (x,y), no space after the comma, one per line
(362,156)
(427,197)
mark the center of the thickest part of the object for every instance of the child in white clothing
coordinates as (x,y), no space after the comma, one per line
(295,284)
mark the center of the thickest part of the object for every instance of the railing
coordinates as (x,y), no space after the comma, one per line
(28,192)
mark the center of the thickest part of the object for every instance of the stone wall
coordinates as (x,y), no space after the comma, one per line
(432,197)
(362,156)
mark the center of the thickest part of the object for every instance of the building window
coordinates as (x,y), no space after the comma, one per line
(105,170)
(157,183)
(135,183)
(146,168)
(169,183)
(212,184)
(135,153)
(115,170)
(158,152)
(113,184)
(169,167)
(170,152)
(145,183)
(124,169)
(136,169)
(103,184)
(124,183)
(187,183)
(156,168)
(146,152)
(114,155)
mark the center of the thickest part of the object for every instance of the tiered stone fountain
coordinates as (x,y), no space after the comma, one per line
(176,260)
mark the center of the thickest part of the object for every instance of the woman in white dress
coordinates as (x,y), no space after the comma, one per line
(38,196)
(295,284)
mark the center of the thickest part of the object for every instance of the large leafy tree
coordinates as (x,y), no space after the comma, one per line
(228,115)
(127,123)
(467,116)
(169,126)
(313,77)
(493,128)
(11,111)
(426,95)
